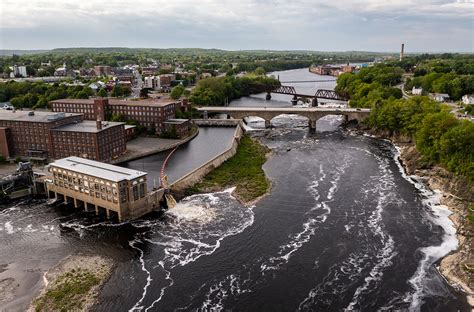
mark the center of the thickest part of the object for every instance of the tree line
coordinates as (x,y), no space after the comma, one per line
(439,137)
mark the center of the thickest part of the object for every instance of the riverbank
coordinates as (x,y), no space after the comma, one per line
(73,285)
(242,171)
(457,194)
(143,146)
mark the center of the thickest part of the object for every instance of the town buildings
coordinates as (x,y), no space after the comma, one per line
(43,136)
(149,113)
(468,99)
(102,70)
(439,97)
(417,91)
(18,71)
(119,192)
(152,82)
(177,128)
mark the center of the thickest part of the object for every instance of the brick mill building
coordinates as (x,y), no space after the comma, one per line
(44,136)
(149,113)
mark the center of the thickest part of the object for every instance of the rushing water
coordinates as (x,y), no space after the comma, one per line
(343,228)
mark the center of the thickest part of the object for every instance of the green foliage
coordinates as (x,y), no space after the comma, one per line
(2,159)
(243,170)
(259,71)
(215,91)
(177,92)
(102,93)
(370,85)
(439,136)
(67,291)
(118,91)
(38,94)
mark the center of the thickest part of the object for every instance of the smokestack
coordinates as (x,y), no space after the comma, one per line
(99,124)
(402,52)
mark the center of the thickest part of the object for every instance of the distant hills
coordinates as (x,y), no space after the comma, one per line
(80,50)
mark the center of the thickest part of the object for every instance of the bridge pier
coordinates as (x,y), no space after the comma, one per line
(312,124)
(268,97)
(294,101)
(268,124)
(314,102)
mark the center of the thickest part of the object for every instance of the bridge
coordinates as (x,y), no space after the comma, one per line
(321,94)
(268,113)
(307,81)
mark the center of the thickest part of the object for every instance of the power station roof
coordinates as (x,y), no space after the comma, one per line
(98,169)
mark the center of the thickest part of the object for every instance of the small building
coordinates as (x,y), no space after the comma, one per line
(115,190)
(417,91)
(96,86)
(152,82)
(177,128)
(468,99)
(130,132)
(101,70)
(165,80)
(440,97)
(18,71)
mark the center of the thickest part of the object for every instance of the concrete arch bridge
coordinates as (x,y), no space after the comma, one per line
(268,113)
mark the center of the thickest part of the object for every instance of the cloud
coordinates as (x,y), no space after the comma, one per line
(228,24)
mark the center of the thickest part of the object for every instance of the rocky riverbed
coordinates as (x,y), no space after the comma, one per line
(457,194)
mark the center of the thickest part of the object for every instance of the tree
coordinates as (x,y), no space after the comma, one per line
(177,92)
(102,93)
(260,71)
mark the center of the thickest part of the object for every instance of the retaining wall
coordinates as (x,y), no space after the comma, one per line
(197,174)
(217,122)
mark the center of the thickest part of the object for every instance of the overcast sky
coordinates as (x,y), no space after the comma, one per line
(333,25)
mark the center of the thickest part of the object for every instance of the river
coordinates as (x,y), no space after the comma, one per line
(343,228)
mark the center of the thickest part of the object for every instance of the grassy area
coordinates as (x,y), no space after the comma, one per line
(470,216)
(68,292)
(244,171)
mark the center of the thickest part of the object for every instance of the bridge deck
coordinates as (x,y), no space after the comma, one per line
(287,110)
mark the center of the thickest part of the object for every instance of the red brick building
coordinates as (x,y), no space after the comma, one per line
(27,133)
(97,140)
(149,113)
(45,135)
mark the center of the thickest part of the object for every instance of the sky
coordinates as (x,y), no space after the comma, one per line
(333,25)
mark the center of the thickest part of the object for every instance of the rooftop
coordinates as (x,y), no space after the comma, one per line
(87,126)
(36,116)
(98,169)
(113,101)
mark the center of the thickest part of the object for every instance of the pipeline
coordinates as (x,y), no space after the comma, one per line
(170,201)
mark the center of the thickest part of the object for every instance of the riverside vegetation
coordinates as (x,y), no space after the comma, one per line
(73,284)
(439,137)
(243,170)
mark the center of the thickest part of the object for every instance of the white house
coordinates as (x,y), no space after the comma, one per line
(96,86)
(440,97)
(468,99)
(416,91)
(18,71)
(152,82)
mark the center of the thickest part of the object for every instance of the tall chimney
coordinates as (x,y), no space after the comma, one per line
(99,124)
(402,52)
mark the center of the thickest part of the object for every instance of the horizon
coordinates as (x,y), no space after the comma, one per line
(241,50)
(434,26)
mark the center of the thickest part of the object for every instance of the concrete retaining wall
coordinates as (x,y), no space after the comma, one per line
(155,151)
(196,175)
(217,122)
